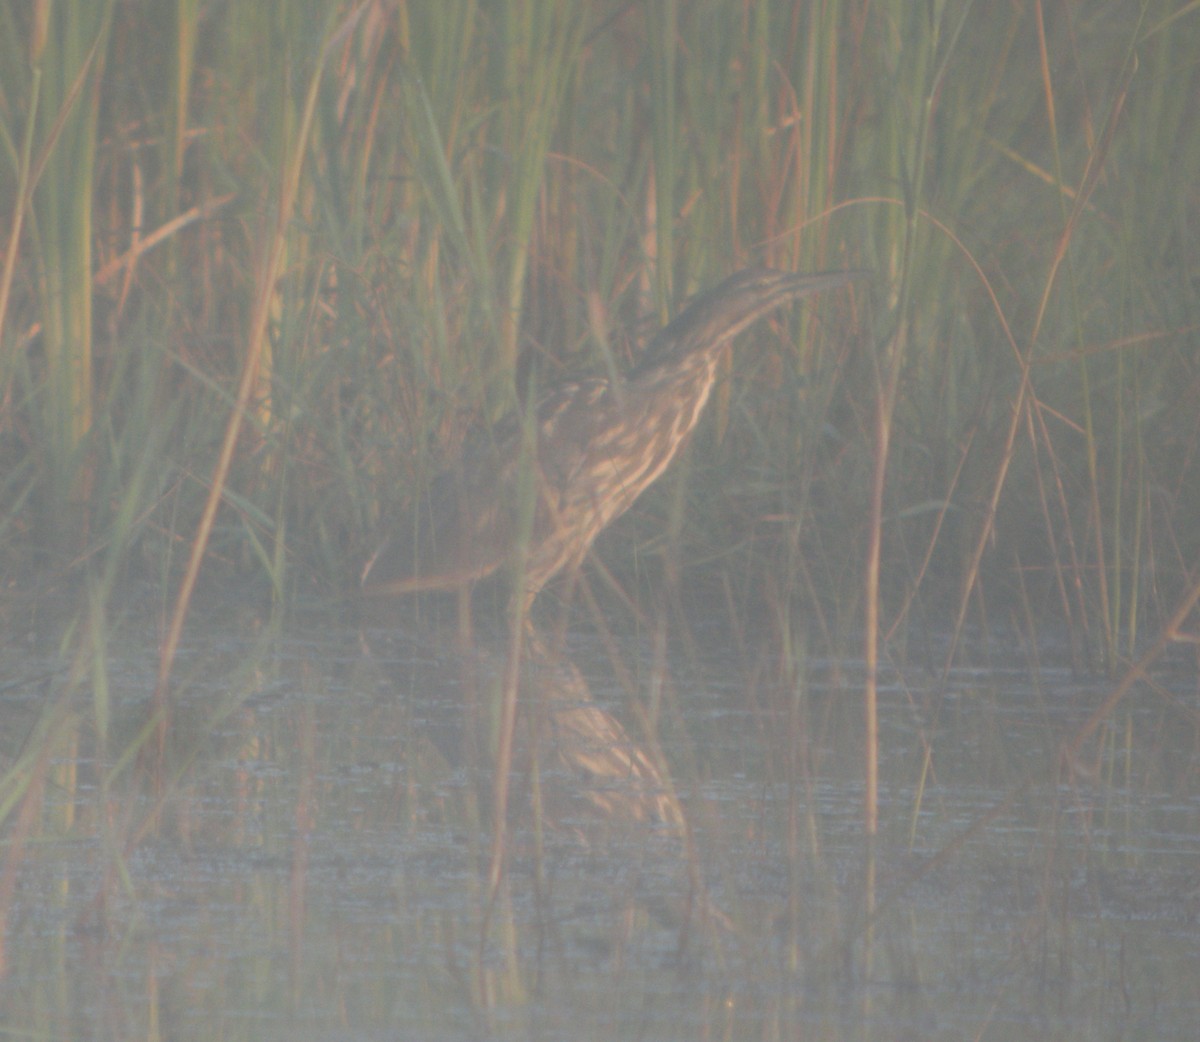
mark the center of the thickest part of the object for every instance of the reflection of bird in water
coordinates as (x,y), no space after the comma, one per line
(581,458)
(601,788)
(610,780)
(586,796)
(593,776)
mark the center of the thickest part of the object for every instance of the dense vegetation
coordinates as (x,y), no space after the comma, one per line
(265,265)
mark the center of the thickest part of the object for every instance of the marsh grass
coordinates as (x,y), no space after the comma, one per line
(456,237)
(266,267)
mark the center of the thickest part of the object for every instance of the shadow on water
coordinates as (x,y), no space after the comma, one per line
(315,865)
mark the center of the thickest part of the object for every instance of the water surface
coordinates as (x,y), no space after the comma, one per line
(311,859)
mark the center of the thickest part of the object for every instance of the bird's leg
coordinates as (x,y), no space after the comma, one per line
(572,582)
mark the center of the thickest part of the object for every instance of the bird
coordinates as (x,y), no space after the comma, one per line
(535,492)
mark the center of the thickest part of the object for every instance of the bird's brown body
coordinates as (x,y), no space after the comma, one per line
(550,482)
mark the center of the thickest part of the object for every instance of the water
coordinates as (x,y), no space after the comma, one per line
(312,860)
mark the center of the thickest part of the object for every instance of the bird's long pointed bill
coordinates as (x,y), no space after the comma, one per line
(747,296)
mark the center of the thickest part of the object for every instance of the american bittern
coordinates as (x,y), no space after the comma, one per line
(590,449)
